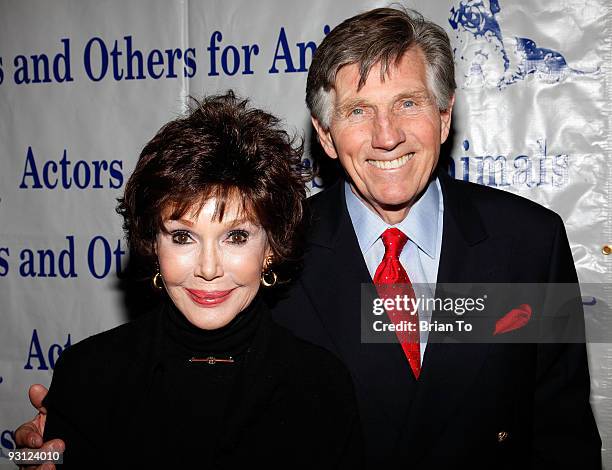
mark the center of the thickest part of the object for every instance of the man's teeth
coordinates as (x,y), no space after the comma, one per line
(398,162)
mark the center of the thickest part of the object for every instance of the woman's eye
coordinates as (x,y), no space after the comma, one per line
(181,238)
(238,237)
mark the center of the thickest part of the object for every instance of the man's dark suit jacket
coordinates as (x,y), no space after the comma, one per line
(475,405)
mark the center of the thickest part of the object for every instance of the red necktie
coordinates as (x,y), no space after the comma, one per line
(392,280)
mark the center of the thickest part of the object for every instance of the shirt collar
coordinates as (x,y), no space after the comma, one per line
(421,224)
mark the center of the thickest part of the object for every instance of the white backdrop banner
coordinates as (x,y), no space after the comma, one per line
(85,84)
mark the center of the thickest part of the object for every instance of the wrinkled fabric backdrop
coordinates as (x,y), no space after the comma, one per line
(84,84)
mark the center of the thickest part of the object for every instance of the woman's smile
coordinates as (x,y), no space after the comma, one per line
(205,298)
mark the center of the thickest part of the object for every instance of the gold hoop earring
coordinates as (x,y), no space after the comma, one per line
(158,281)
(268,277)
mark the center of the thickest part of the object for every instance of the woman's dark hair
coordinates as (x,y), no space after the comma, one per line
(223,149)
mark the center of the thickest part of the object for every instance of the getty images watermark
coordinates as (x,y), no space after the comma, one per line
(406,307)
(487,313)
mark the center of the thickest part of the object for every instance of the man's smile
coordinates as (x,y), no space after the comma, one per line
(392,164)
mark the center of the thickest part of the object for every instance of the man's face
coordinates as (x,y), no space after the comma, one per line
(387,135)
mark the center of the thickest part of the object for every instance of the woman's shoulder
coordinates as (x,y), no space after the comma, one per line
(103,346)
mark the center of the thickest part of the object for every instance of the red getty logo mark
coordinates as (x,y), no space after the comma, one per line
(513,320)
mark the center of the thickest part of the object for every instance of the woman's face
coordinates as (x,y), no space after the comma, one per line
(211,269)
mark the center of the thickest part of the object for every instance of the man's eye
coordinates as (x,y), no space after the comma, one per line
(357,112)
(181,238)
(238,237)
(408,104)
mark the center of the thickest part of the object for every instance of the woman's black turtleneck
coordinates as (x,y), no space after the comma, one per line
(191,398)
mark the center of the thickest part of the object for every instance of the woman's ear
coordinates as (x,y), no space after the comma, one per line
(157,239)
(268,258)
(267,261)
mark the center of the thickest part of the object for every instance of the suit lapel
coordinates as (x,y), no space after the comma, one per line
(333,278)
(419,411)
(467,256)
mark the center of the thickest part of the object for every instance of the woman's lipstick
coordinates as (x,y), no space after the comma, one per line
(206,298)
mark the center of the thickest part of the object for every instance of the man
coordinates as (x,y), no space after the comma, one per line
(381,91)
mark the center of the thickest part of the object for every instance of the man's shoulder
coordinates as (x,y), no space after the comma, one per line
(487,197)
(502,210)
(309,363)
(325,199)
(496,207)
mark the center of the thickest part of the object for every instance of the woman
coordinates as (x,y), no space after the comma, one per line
(207,379)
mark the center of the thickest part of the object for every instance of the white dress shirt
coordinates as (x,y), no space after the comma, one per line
(420,256)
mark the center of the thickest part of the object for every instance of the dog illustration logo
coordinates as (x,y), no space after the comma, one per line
(490,59)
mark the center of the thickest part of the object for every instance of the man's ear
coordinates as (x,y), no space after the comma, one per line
(445,120)
(325,138)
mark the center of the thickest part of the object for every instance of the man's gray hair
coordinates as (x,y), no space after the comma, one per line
(380,36)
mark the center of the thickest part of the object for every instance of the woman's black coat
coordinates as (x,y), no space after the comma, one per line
(294,405)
